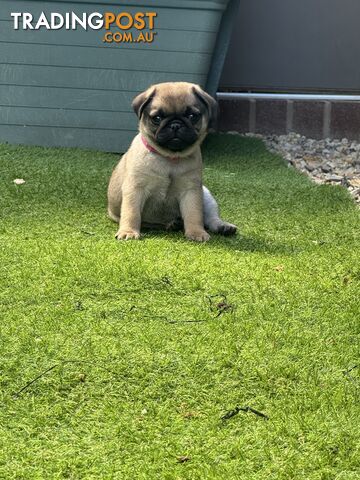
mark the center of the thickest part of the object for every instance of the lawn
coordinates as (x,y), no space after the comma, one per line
(127,360)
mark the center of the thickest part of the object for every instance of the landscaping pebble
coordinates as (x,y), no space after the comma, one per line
(19,181)
(324,161)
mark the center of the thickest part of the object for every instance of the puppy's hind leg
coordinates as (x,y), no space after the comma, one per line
(212,220)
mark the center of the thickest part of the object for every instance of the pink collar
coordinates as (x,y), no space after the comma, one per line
(153,150)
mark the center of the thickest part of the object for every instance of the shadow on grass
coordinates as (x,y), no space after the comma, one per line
(238,243)
(253,244)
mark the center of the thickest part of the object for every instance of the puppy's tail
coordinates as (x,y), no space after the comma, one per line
(113,216)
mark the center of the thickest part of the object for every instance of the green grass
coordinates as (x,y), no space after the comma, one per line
(143,368)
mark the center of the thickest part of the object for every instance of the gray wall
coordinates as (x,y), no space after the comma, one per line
(295,45)
(68,88)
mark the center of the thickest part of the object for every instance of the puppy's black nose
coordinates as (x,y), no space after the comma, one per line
(175,125)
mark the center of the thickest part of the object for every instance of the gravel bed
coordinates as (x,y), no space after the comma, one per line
(324,161)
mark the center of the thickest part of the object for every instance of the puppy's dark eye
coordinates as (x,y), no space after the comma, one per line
(193,117)
(156,119)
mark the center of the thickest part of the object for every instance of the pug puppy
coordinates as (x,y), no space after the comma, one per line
(158,182)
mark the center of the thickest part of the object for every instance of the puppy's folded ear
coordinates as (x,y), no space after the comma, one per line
(210,103)
(142,100)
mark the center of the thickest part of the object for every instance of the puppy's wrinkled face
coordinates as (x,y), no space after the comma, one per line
(175,116)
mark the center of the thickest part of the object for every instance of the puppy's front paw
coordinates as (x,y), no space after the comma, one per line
(127,234)
(197,235)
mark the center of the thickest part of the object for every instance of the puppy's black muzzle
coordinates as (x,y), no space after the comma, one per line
(176,134)
(175,125)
